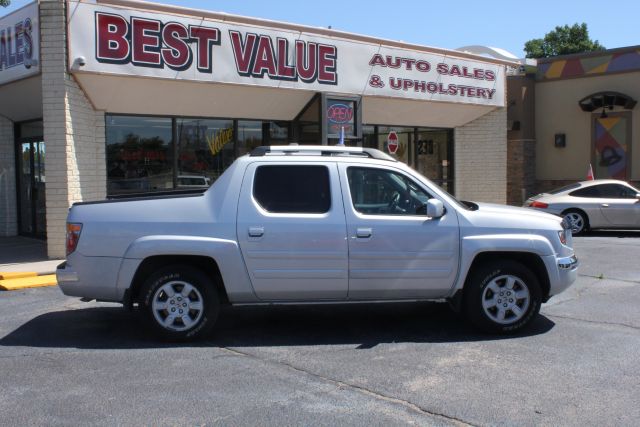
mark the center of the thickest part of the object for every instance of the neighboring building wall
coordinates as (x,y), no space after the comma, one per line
(8,202)
(480,157)
(73,131)
(557,111)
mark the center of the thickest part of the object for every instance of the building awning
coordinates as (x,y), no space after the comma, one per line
(606,99)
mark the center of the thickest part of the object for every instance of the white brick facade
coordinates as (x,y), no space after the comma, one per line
(8,202)
(480,157)
(73,131)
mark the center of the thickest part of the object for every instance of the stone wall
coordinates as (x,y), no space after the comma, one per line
(8,201)
(480,158)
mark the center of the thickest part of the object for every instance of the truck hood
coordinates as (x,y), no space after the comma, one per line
(495,209)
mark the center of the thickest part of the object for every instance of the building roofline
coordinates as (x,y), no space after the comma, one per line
(589,54)
(226,17)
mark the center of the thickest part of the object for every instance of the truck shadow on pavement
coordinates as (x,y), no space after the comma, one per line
(621,234)
(362,325)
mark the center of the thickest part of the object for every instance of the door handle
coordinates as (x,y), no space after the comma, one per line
(364,233)
(256,231)
(605,205)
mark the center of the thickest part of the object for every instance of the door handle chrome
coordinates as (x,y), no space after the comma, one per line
(605,205)
(364,233)
(256,231)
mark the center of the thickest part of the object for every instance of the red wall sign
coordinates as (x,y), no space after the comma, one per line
(392,142)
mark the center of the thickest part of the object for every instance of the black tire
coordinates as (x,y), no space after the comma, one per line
(198,288)
(480,290)
(582,220)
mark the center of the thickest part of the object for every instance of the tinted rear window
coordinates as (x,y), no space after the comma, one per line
(293,189)
(565,188)
(587,192)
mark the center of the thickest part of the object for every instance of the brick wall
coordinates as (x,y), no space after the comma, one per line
(480,157)
(8,202)
(521,170)
(73,131)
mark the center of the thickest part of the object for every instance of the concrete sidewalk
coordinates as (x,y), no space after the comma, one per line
(21,254)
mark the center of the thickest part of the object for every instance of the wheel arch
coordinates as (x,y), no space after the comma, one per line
(528,259)
(150,264)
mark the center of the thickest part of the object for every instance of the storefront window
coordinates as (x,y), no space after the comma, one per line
(205,150)
(434,152)
(369,139)
(404,140)
(250,135)
(139,154)
(429,151)
(278,133)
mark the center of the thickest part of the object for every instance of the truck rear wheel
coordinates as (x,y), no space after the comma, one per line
(502,297)
(180,303)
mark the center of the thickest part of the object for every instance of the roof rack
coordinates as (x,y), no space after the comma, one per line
(320,150)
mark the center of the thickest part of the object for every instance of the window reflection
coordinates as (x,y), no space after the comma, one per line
(249,135)
(139,154)
(142,155)
(205,150)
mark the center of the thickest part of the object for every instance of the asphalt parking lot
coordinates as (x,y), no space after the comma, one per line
(67,362)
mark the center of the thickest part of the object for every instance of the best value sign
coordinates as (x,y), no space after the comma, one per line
(128,42)
(19,41)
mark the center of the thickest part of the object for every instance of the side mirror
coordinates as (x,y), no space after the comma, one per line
(435,208)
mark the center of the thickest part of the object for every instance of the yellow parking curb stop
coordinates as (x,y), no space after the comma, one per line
(17,275)
(28,282)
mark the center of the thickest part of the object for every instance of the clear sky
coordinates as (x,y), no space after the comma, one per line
(447,24)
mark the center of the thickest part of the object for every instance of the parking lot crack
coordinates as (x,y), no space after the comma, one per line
(597,322)
(635,282)
(357,388)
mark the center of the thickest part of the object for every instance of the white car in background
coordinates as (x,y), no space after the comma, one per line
(193,181)
(600,203)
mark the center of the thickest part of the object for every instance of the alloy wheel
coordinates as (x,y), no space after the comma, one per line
(177,305)
(506,299)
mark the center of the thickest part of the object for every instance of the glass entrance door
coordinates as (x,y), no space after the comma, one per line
(31,187)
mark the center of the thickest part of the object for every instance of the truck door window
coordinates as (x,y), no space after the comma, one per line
(292,189)
(384,192)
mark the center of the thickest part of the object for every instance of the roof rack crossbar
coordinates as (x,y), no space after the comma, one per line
(322,150)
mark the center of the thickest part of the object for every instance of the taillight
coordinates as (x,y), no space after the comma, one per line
(537,204)
(73,236)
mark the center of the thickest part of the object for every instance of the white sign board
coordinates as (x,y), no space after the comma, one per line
(19,44)
(130,42)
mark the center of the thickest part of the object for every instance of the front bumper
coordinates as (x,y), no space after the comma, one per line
(563,271)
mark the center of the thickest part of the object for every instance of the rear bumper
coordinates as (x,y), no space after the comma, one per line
(90,277)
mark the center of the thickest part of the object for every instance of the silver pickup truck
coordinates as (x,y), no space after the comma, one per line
(315,224)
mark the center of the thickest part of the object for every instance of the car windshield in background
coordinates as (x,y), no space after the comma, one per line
(565,188)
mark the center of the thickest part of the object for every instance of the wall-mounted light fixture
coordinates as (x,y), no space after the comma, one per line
(560,140)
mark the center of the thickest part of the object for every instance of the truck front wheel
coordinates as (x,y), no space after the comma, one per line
(502,297)
(180,303)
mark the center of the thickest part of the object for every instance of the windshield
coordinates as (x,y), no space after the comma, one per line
(461,204)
